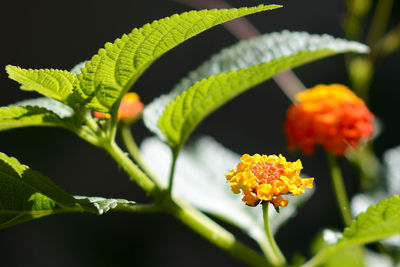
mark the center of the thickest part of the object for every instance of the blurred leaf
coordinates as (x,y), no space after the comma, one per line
(361,202)
(386,188)
(245,64)
(26,195)
(110,73)
(77,69)
(199,180)
(373,259)
(349,257)
(380,221)
(56,84)
(391,159)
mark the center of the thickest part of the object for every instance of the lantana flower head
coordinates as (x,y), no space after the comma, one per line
(129,109)
(267,178)
(328,115)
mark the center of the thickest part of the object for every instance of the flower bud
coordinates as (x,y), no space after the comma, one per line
(129,109)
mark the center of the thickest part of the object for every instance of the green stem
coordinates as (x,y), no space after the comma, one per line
(271,249)
(172,171)
(193,218)
(85,133)
(366,163)
(379,21)
(90,122)
(388,44)
(355,17)
(214,233)
(339,189)
(112,125)
(131,169)
(320,258)
(91,131)
(134,152)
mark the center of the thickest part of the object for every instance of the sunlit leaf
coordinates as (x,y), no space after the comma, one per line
(378,222)
(110,73)
(243,65)
(56,84)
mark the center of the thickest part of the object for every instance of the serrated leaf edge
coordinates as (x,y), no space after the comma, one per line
(139,68)
(64,74)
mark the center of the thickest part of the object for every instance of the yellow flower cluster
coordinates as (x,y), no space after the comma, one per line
(267,178)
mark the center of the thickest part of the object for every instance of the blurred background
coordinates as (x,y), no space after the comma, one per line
(60,34)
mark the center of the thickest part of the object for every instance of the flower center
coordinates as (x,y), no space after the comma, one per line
(267,172)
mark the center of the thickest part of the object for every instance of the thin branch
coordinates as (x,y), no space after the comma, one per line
(134,152)
(379,21)
(388,44)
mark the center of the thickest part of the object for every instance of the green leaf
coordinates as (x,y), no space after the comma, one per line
(110,73)
(235,70)
(26,195)
(56,84)
(62,111)
(380,221)
(207,189)
(77,68)
(353,256)
(23,116)
(101,205)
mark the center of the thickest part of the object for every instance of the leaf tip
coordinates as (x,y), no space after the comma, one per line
(273,6)
(269,7)
(11,68)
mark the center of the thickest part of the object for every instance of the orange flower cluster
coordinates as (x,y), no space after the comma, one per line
(328,115)
(129,109)
(267,178)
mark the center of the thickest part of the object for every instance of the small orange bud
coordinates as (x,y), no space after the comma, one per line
(129,109)
(101,115)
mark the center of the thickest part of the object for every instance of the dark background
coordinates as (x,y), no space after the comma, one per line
(60,34)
